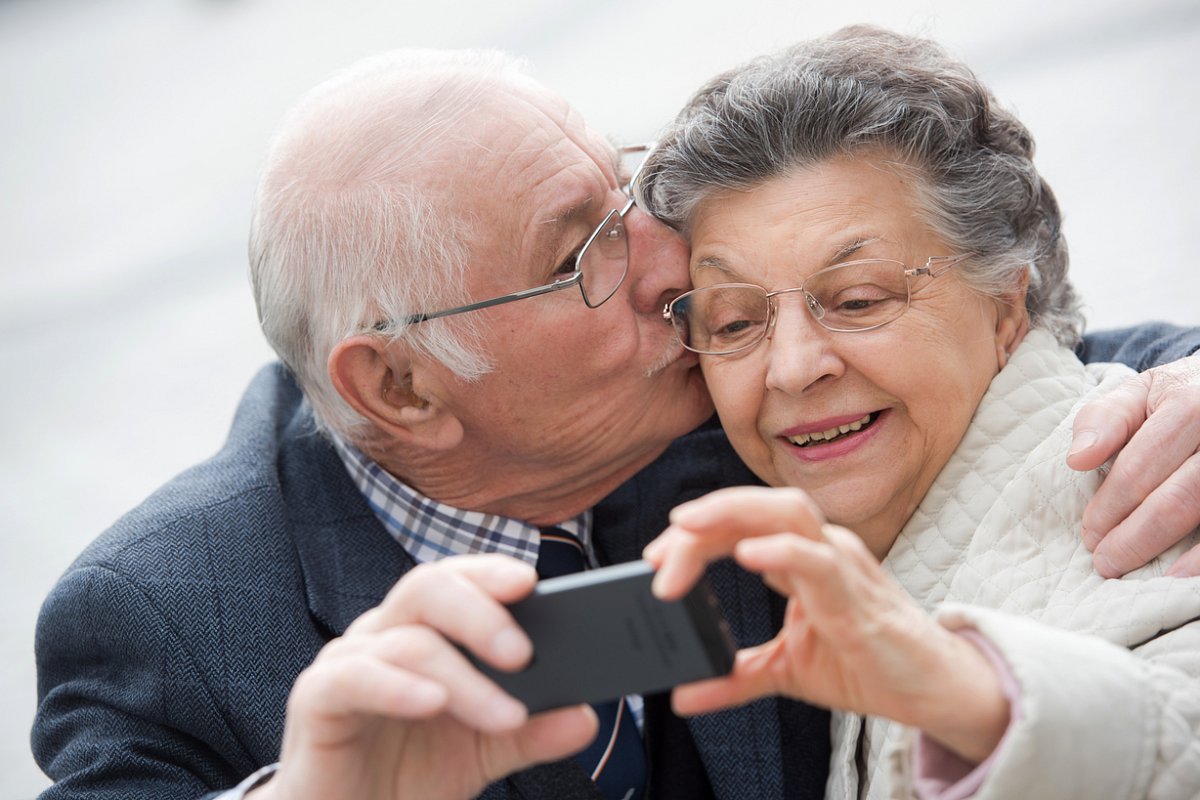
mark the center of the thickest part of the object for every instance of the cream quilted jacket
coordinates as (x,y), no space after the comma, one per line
(1107,669)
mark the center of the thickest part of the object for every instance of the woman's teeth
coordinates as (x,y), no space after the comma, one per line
(829,435)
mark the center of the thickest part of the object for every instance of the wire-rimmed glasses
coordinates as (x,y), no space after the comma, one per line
(854,296)
(600,267)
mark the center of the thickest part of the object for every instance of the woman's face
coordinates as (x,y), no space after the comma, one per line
(917,379)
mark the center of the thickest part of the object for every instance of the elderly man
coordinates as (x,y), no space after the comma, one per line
(422,413)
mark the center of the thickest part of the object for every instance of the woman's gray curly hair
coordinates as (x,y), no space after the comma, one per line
(865,88)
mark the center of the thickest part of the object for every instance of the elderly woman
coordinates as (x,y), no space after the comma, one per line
(883,317)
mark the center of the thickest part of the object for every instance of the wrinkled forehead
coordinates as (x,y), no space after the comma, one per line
(521,135)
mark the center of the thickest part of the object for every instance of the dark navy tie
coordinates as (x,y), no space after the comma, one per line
(615,759)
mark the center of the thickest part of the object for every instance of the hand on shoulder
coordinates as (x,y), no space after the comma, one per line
(1150,499)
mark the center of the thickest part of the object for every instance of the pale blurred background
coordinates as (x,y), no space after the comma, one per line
(131,132)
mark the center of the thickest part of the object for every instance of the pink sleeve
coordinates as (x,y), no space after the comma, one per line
(939,774)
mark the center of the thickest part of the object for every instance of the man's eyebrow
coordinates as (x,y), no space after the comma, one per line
(553,226)
(568,214)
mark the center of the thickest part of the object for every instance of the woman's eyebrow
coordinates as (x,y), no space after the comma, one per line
(847,250)
(716,263)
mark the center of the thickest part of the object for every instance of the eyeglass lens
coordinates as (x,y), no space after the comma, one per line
(604,260)
(850,297)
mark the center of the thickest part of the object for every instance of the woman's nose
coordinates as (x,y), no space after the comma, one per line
(800,352)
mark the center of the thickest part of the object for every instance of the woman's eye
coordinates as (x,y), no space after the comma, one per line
(861,304)
(732,329)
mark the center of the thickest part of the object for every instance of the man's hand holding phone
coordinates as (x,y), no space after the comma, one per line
(394,709)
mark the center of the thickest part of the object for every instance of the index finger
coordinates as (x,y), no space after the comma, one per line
(462,598)
(710,527)
(1105,424)
(1168,439)
(759,509)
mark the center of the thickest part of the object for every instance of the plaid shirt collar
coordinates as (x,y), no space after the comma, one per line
(430,530)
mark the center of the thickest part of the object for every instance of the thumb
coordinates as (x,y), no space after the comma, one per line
(549,736)
(1105,425)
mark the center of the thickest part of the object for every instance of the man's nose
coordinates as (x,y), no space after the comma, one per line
(658,262)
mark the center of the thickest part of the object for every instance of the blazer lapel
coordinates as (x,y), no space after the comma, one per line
(740,747)
(348,560)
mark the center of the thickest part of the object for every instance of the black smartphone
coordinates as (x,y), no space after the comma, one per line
(601,634)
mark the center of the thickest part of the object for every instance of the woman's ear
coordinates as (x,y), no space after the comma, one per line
(1012,322)
(380,381)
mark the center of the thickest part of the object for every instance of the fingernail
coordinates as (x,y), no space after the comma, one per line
(509,570)
(681,514)
(664,581)
(427,694)
(510,646)
(1083,440)
(658,584)
(650,550)
(1090,540)
(692,510)
(505,712)
(1105,566)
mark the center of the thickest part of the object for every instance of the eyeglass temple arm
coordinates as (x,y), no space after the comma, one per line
(563,283)
(570,280)
(942,264)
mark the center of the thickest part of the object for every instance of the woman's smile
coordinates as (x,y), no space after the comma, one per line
(832,438)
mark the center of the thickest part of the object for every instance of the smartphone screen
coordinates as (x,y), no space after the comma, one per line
(601,634)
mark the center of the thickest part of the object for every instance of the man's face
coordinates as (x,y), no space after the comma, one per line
(579,398)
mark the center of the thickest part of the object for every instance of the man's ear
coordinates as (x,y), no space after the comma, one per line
(380,380)
(1012,322)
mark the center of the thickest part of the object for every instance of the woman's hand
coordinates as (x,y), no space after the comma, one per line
(851,638)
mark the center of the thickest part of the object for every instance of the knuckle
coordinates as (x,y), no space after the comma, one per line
(417,583)
(846,540)
(322,679)
(1176,385)
(1189,395)
(421,575)
(412,644)
(1128,487)
(1182,498)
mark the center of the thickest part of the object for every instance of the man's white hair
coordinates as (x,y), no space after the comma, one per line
(347,238)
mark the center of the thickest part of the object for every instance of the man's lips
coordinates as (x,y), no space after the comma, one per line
(675,354)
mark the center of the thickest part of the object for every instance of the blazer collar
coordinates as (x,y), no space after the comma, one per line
(348,561)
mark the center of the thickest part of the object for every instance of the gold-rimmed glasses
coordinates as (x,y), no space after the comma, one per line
(854,296)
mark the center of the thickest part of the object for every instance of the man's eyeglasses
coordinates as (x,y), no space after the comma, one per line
(601,265)
(855,296)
